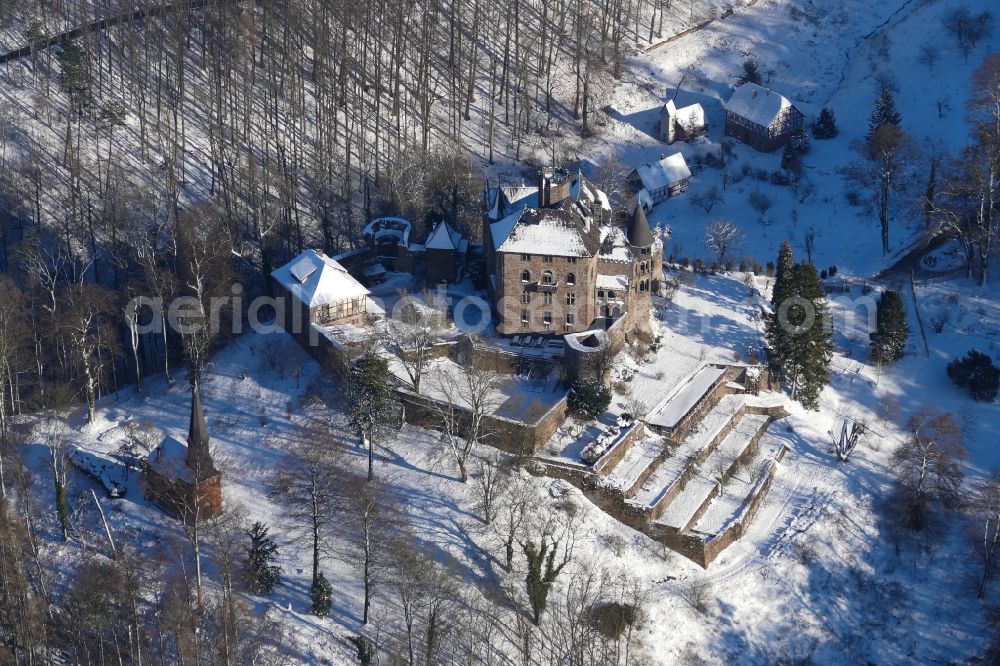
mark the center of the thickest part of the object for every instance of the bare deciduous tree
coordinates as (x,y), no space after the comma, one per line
(928,466)
(722,238)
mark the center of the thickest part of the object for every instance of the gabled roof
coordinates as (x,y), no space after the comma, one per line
(689,116)
(506,200)
(443,237)
(316,279)
(552,231)
(757,104)
(667,172)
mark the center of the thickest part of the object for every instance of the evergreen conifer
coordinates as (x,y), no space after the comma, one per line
(891,330)
(260,572)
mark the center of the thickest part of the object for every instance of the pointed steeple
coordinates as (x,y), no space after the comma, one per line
(638,232)
(199,458)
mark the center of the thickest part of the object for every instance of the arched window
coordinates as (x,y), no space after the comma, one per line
(571,278)
(600,293)
(525,276)
(547,277)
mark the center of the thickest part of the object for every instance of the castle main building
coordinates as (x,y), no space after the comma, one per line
(558,264)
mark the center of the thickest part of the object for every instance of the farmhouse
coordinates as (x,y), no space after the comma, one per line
(656,182)
(761,118)
(318,290)
(681,124)
(182,478)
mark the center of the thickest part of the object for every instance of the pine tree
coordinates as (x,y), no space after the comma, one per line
(260,572)
(589,398)
(750,74)
(826,125)
(322,596)
(884,113)
(786,262)
(798,337)
(891,329)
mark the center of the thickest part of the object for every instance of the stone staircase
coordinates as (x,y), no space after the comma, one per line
(689,487)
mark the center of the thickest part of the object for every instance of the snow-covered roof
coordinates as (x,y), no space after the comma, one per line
(169,460)
(549,231)
(757,104)
(613,282)
(667,172)
(443,238)
(587,341)
(583,190)
(381,227)
(316,279)
(614,245)
(505,200)
(689,116)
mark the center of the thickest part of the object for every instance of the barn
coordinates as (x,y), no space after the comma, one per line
(761,118)
(661,180)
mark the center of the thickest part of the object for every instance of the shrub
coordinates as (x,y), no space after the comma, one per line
(589,398)
(976,373)
(612,618)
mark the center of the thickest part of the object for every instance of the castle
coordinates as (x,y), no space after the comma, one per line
(558,264)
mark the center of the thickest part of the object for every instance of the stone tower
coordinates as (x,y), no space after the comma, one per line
(647,267)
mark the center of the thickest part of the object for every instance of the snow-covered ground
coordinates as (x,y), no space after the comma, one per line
(816,577)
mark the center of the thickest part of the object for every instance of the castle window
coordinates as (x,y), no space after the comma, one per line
(600,293)
(525,257)
(524,316)
(525,276)
(547,318)
(525,296)
(547,258)
(547,277)
(548,298)
(570,260)
(570,319)
(571,299)
(571,278)
(611,295)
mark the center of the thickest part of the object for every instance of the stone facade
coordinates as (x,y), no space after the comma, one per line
(554,269)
